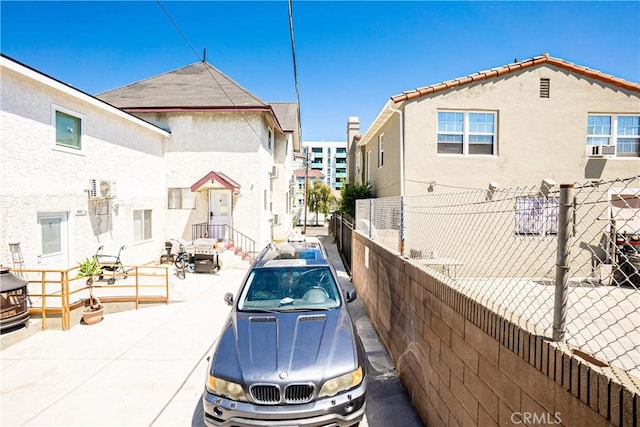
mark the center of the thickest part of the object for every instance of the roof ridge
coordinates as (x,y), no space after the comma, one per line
(146,78)
(204,78)
(246,91)
(510,68)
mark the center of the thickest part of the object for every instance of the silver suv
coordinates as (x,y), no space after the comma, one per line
(288,354)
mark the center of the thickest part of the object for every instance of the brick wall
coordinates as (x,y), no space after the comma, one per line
(464,365)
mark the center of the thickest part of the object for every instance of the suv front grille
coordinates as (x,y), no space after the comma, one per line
(298,393)
(269,394)
(265,393)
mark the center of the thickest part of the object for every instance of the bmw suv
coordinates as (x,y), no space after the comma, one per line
(288,354)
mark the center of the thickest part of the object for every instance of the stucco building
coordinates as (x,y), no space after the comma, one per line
(518,124)
(140,164)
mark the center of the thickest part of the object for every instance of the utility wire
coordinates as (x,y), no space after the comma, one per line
(295,68)
(178,28)
(210,73)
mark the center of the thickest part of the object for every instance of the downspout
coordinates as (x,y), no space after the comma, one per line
(402,216)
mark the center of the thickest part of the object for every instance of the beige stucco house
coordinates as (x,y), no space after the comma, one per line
(139,165)
(529,126)
(515,125)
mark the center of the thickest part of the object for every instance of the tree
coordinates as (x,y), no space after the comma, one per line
(319,198)
(350,193)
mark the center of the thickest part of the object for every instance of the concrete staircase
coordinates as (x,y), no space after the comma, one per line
(232,258)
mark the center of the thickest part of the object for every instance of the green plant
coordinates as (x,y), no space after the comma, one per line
(90,268)
(319,198)
(350,193)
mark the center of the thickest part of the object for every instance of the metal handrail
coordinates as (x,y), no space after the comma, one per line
(225,233)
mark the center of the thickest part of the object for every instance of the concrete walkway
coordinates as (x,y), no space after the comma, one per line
(148,367)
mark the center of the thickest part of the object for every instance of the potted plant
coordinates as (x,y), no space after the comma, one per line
(90,268)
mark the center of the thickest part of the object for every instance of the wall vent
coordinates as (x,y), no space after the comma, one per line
(545,87)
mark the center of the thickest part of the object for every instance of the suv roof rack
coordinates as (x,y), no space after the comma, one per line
(307,249)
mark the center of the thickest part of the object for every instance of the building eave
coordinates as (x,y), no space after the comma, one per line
(67,89)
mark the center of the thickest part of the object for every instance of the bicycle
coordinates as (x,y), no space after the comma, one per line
(181,261)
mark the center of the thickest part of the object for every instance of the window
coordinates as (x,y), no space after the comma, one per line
(536,215)
(369,166)
(623,132)
(270,138)
(467,133)
(380,150)
(358,163)
(68,130)
(142,225)
(181,198)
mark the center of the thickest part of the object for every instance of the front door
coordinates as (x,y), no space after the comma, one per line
(54,240)
(219,214)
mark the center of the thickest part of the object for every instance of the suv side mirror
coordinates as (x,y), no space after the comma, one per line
(228,298)
(351,295)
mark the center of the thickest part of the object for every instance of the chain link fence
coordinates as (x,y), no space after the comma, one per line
(561,260)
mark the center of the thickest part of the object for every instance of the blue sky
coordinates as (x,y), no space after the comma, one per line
(351,56)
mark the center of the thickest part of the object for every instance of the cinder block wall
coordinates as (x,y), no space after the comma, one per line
(464,365)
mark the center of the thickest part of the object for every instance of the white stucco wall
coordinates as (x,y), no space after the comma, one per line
(36,177)
(235,145)
(143,159)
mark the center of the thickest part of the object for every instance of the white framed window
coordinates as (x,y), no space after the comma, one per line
(270,139)
(537,215)
(68,130)
(142,225)
(181,198)
(466,132)
(381,150)
(369,166)
(358,163)
(620,131)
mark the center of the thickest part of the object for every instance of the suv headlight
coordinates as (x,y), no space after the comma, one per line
(341,383)
(225,388)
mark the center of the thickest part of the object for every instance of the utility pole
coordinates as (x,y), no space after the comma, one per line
(306,188)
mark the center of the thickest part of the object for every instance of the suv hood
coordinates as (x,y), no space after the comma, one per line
(291,346)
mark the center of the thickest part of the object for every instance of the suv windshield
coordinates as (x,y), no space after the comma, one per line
(289,289)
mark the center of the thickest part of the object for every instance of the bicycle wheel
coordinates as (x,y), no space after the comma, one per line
(181,263)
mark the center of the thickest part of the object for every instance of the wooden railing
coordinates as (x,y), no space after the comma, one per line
(59,292)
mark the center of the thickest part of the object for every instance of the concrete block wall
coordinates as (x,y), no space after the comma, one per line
(464,365)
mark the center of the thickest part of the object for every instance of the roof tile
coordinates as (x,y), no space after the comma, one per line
(513,67)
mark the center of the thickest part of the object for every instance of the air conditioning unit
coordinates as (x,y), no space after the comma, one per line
(274,172)
(601,150)
(276,219)
(102,188)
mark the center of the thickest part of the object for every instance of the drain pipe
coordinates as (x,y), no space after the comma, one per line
(402,207)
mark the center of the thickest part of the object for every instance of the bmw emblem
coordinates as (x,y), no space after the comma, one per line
(283,375)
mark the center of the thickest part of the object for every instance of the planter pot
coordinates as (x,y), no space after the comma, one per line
(91,316)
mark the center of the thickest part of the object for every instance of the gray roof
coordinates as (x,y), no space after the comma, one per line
(286,112)
(196,86)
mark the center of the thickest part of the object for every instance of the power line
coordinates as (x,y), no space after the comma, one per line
(209,71)
(295,81)
(295,68)
(178,29)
